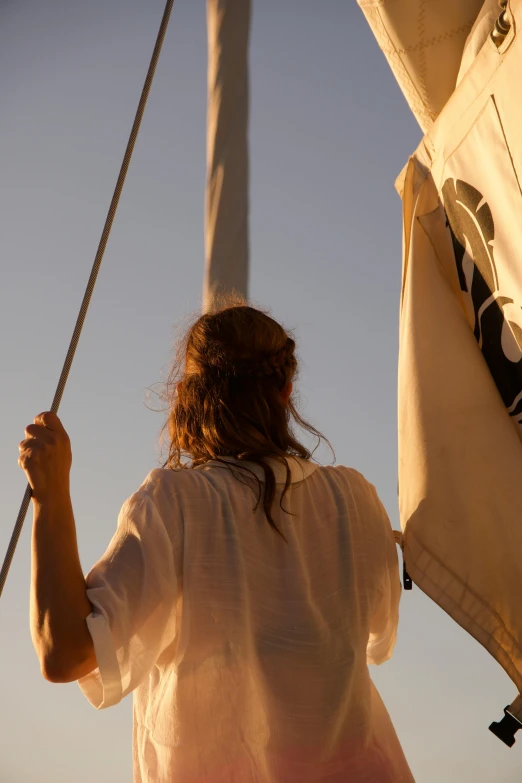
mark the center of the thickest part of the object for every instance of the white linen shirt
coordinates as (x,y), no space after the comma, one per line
(248,658)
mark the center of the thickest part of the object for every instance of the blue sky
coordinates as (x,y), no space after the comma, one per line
(330,131)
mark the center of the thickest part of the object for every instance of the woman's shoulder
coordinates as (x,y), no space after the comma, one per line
(166,483)
(346,472)
(349,478)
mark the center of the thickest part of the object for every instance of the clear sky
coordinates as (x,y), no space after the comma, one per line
(330,131)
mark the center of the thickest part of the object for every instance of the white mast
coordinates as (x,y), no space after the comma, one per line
(226,203)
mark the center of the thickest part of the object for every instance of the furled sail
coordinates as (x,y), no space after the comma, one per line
(460,357)
(226,204)
(423,41)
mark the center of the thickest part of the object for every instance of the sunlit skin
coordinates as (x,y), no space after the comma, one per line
(59,605)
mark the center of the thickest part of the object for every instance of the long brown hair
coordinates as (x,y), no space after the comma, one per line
(224,396)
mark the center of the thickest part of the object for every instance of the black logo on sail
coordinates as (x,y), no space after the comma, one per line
(497,319)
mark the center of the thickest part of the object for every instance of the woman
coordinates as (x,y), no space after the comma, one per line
(245,589)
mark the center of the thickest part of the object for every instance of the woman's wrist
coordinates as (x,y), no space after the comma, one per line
(55,497)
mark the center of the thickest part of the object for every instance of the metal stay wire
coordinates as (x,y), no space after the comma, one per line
(94,272)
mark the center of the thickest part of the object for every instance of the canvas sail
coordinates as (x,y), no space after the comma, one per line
(423,41)
(460,358)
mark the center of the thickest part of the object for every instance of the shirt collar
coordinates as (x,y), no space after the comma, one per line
(300,468)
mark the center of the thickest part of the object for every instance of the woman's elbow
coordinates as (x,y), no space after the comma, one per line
(61,669)
(53,671)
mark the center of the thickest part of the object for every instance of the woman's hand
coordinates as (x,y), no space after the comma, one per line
(46,456)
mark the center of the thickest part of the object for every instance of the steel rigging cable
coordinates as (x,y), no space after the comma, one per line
(94,272)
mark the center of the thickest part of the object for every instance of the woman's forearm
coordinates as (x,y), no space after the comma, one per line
(59,603)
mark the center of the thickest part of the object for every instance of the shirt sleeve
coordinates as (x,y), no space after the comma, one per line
(133,590)
(384,608)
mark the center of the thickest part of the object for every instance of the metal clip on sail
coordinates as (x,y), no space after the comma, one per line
(406,578)
(506,729)
(502,25)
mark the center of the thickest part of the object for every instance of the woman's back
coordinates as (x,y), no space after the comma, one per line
(257,666)
(246,655)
